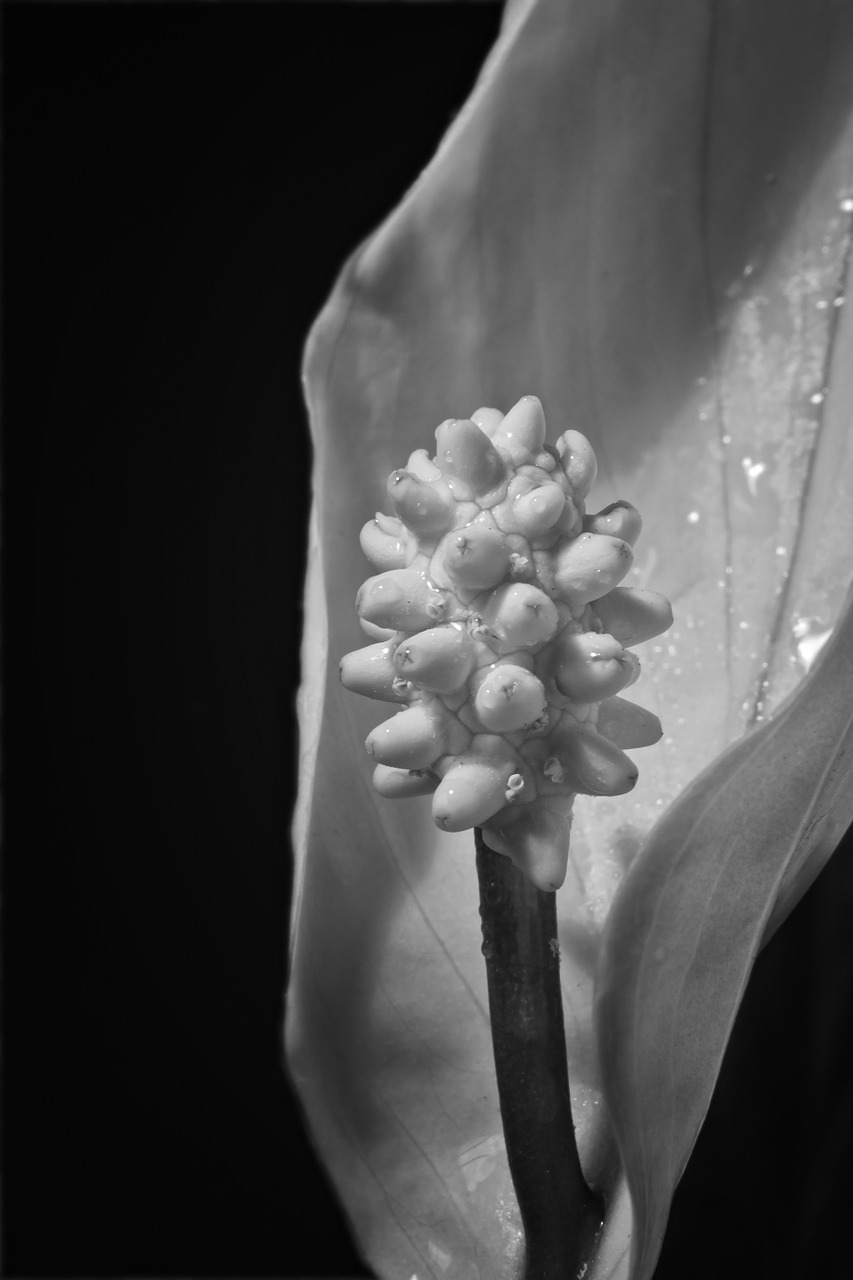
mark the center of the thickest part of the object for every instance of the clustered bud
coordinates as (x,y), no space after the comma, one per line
(499,626)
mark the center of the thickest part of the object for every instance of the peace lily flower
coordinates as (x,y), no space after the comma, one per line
(643,215)
(497,622)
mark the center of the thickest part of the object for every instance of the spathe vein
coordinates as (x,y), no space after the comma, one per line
(457,1213)
(419,907)
(782,612)
(705,149)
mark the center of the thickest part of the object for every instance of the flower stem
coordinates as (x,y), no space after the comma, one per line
(560,1214)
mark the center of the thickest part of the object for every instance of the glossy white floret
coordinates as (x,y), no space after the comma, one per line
(537,511)
(633,615)
(522,431)
(412,739)
(402,784)
(384,541)
(475,556)
(468,795)
(423,506)
(510,698)
(440,659)
(402,599)
(464,452)
(520,616)
(619,520)
(589,566)
(593,665)
(579,462)
(371,671)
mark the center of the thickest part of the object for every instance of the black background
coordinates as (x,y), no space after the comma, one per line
(181,185)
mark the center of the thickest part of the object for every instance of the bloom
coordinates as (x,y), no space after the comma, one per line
(600,224)
(494,617)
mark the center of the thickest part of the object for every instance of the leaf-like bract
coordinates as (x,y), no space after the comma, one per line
(725,864)
(643,217)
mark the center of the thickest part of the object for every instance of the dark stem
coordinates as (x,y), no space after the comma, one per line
(560,1214)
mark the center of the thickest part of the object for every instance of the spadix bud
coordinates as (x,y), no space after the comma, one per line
(520,616)
(440,659)
(593,666)
(488,420)
(411,739)
(370,671)
(537,842)
(476,556)
(590,566)
(510,698)
(469,794)
(633,615)
(620,520)
(402,599)
(522,431)
(579,463)
(463,450)
(534,513)
(401,784)
(422,467)
(384,545)
(595,765)
(627,724)
(424,507)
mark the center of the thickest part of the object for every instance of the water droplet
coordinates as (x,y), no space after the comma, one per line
(846,205)
(810,635)
(781,551)
(817,398)
(727,439)
(744,626)
(753,472)
(822,305)
(839,301)
(692,517)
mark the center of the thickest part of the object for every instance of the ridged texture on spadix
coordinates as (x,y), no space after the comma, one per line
(501,629)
